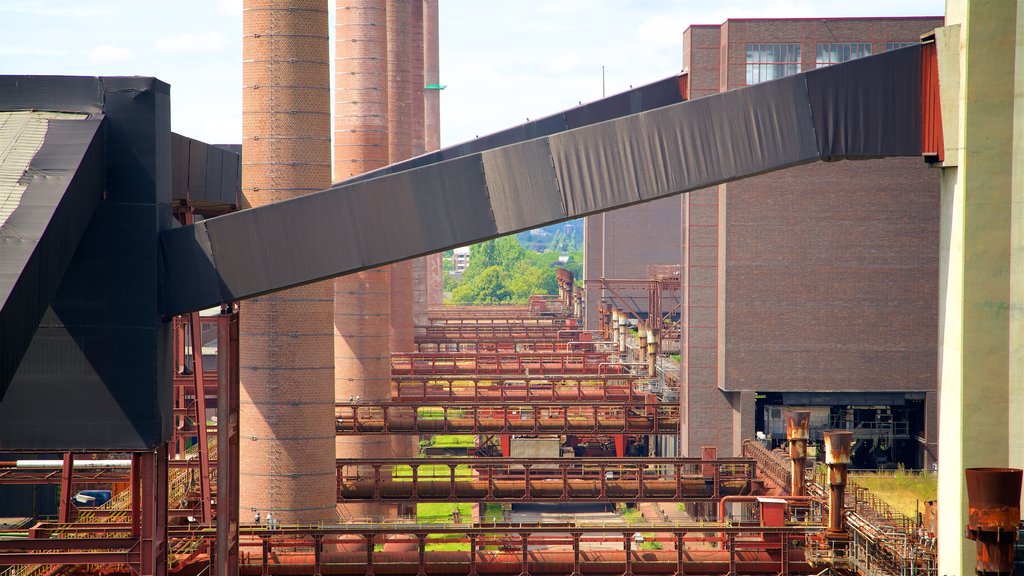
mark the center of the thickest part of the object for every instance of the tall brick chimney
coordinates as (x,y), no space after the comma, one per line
(286,370)
(362,302)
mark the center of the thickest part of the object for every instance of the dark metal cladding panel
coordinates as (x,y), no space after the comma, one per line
(100,362)
(64,186)
(192,256)
(661,93)
(684,147)
(138,139)
(321,235)
(733,135)
(179,166)
(869,107)
(197,170)
(521,184)
(204,173)
(595,165)
(263,248)
(94,374)
(647,97)
(52,93)
(661,152)
(421,212)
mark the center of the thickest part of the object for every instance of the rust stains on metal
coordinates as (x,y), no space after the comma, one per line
(993,507)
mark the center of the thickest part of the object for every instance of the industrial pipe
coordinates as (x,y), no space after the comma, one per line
(798,424)
(641,336)
(993,508)
(652,351)
(541,562)
(837,457)
(623,324)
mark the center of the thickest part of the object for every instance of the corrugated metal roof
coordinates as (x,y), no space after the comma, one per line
(21,135)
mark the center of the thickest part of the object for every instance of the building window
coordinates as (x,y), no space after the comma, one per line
(896,45)
(836,53)
(771,61)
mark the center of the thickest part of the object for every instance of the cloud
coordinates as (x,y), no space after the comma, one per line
(53,12)
(179,43)
(29,51)
(105,54)
(230,6)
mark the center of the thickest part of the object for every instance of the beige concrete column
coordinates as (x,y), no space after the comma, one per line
(981,277)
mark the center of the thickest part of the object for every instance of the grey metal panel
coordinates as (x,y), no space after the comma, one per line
(66,182)
(522,186)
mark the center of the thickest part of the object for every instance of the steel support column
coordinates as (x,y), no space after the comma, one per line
(64,514)
(196,328)
(227,444)
(153,502)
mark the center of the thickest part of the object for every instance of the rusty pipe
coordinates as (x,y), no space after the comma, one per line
(993,507)
(798,424)
(837,458)
(541,562)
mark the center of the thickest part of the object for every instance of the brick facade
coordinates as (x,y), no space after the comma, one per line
(817,278)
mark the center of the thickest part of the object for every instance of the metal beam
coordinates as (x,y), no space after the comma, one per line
(865,108)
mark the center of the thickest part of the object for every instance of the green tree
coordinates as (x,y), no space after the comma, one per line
(487,287)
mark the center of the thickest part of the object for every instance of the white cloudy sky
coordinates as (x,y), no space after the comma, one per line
(502,60)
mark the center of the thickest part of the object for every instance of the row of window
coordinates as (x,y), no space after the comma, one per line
(771,61)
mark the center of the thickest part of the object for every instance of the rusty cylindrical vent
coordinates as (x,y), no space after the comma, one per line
(287,399)
(993,508)
(362,301)
(798,425)
(837,457)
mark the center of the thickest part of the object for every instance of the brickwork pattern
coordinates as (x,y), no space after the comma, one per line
(286,369)
(362,301)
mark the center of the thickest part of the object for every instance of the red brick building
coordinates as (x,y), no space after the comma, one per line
(812,287)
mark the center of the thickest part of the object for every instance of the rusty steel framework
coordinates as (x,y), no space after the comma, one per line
(488,548)
(554,363)
(627,388)
(544,479)
(657,288)
(506,418)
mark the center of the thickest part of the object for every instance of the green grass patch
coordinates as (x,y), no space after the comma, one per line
(452,441)
(446,546)
(441,513)
(905,491)
(428,471)
(492,513)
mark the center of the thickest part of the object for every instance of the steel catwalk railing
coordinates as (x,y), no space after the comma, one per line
(416,363)
(506,418)
(543,480)
(546,548)
(490,332)
(603,388)
(885,541)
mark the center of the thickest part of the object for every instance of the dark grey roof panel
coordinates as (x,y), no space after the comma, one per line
(39,239)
